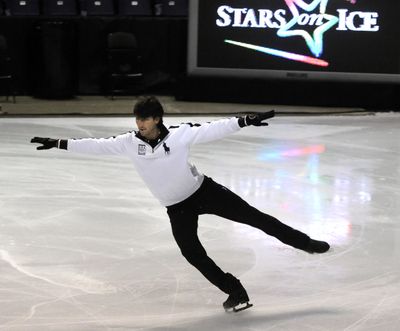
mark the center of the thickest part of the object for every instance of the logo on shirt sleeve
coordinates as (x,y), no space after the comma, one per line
(141,149)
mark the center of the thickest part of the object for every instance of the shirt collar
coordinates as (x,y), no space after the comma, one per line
(154,142)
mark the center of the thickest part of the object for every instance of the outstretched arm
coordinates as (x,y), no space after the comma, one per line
(105,146)
(210,131)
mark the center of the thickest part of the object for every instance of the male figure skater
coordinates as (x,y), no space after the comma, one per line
(160,156)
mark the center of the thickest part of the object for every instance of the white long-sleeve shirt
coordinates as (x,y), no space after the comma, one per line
(165,168)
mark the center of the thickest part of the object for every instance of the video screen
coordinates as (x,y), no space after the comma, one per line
(310,39)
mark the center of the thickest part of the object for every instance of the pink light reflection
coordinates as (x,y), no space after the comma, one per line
(315,149)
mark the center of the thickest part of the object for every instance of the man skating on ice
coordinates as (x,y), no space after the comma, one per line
(160,156)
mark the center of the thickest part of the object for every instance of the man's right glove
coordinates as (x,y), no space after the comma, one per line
(47,143)
(256,119)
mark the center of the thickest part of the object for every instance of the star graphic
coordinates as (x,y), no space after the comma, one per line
(314,42)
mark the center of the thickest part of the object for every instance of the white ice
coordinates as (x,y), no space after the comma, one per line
(84,246)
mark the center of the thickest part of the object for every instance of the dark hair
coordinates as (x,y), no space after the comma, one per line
(148,106)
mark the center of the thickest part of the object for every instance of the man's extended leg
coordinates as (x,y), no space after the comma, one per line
(220,201)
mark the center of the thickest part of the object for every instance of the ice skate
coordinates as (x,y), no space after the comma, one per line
(316,246)
(237,301)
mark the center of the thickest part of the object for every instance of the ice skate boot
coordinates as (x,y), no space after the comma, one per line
(316,246)
(238,299)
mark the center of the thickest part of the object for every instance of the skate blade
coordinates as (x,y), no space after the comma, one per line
(239,308)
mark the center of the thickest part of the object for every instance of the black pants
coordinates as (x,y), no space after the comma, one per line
(213,198)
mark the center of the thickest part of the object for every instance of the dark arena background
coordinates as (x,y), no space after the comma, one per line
(62,51)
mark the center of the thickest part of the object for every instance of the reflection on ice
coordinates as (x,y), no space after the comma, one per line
(292,152)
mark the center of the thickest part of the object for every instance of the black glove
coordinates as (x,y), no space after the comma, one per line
(256,119)
(47,143)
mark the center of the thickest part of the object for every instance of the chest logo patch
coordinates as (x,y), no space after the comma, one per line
(141,149)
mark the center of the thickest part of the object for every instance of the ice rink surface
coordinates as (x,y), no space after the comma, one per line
(85,247)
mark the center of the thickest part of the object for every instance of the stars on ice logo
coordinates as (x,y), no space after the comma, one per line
(322,21)
(308,20)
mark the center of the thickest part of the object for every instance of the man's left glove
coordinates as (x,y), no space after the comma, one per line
(256,119)
(47,143)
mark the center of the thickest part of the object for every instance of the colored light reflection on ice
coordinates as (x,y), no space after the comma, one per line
(322,217)
(309,150)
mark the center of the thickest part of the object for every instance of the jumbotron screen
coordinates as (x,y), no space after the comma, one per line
(297,39)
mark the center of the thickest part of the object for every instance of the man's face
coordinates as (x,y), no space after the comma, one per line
(148,127)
